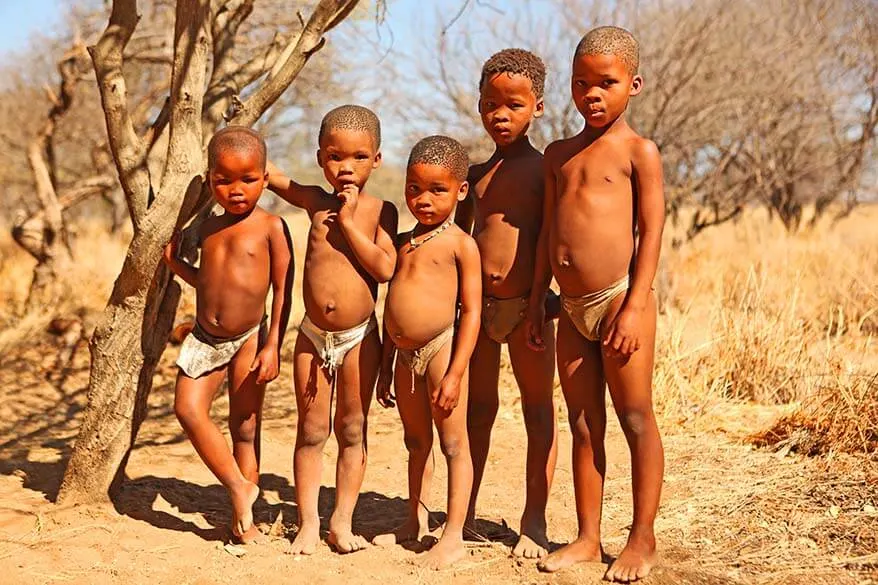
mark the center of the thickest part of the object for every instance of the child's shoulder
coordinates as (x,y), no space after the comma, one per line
(263,219)
(562,147)
(463,242)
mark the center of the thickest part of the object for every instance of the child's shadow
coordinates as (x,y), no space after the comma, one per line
(205,510)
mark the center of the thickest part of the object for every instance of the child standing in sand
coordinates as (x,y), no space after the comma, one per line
(244,251)
(437,269)
(600,184)
(350,251)
(505,211)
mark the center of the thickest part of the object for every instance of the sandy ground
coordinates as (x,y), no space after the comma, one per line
(727,509)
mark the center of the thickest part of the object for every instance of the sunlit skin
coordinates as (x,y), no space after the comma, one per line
(350,251)
(244,252)
(504,213)
(421,303)
(599,185)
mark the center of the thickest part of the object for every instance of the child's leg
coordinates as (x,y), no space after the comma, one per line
(535,373)
(631,390)
(454,442)
(413,403)
(192,400)
(482,409)
(245,415)
(579,368)
(313,401)
(355,382)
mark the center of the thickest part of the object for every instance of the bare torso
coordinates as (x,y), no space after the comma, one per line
(508,213)
(234,274)
(591,240)
(338,293)
(422,297)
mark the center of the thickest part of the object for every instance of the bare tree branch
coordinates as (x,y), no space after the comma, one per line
(127,148)
(327,14)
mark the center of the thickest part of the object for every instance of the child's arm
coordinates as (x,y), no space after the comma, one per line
(378,257)
(267,361)
(624,333)
(184,270)
(286,188)
(469,268)
(384,392)
(536,312)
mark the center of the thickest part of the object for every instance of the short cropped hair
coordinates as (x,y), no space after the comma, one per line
(517,61)
(443,151)
(611,40)
(237,138)
(352,117)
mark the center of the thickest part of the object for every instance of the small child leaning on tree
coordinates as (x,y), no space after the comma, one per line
(244,252)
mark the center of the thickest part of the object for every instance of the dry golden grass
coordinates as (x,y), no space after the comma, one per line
(751,313)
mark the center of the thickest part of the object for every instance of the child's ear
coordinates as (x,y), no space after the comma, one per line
(636,85)
(462,191)
(377,161)
(319,158)
(538,109)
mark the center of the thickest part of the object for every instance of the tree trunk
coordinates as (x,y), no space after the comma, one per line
(139,316)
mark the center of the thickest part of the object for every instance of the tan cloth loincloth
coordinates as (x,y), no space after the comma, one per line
(587,312)
(417,360)
(500,317)
(333,346)
(202,352)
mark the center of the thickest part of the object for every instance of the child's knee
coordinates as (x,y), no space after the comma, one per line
(243,429)
(452,445)
(418,445)
(482,412)
(312,433)
(636,421)
(539,418)
(588,431)
(349,430)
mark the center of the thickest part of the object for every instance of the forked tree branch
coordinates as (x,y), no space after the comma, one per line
(327,14)
(128,149)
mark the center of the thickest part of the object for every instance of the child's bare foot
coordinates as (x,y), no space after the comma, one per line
(243,499)
(635,561)
(345,541)
(410,531)
(578,551)
(306,540)
(533,542)
(446,552)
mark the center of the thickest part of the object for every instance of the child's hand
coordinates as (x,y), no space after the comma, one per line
(536,318)
(266,364)
(169,254)
(349,197)
(383,390)
(445,397)
(622,337)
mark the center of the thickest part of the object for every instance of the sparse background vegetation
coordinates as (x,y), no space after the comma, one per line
(767,371)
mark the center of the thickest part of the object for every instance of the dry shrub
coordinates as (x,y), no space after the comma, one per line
(752,313)
(841,416)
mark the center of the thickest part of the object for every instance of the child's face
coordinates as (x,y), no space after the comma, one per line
(601,87)
(507,104)
(237,180)
(432,192)
(347,157)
